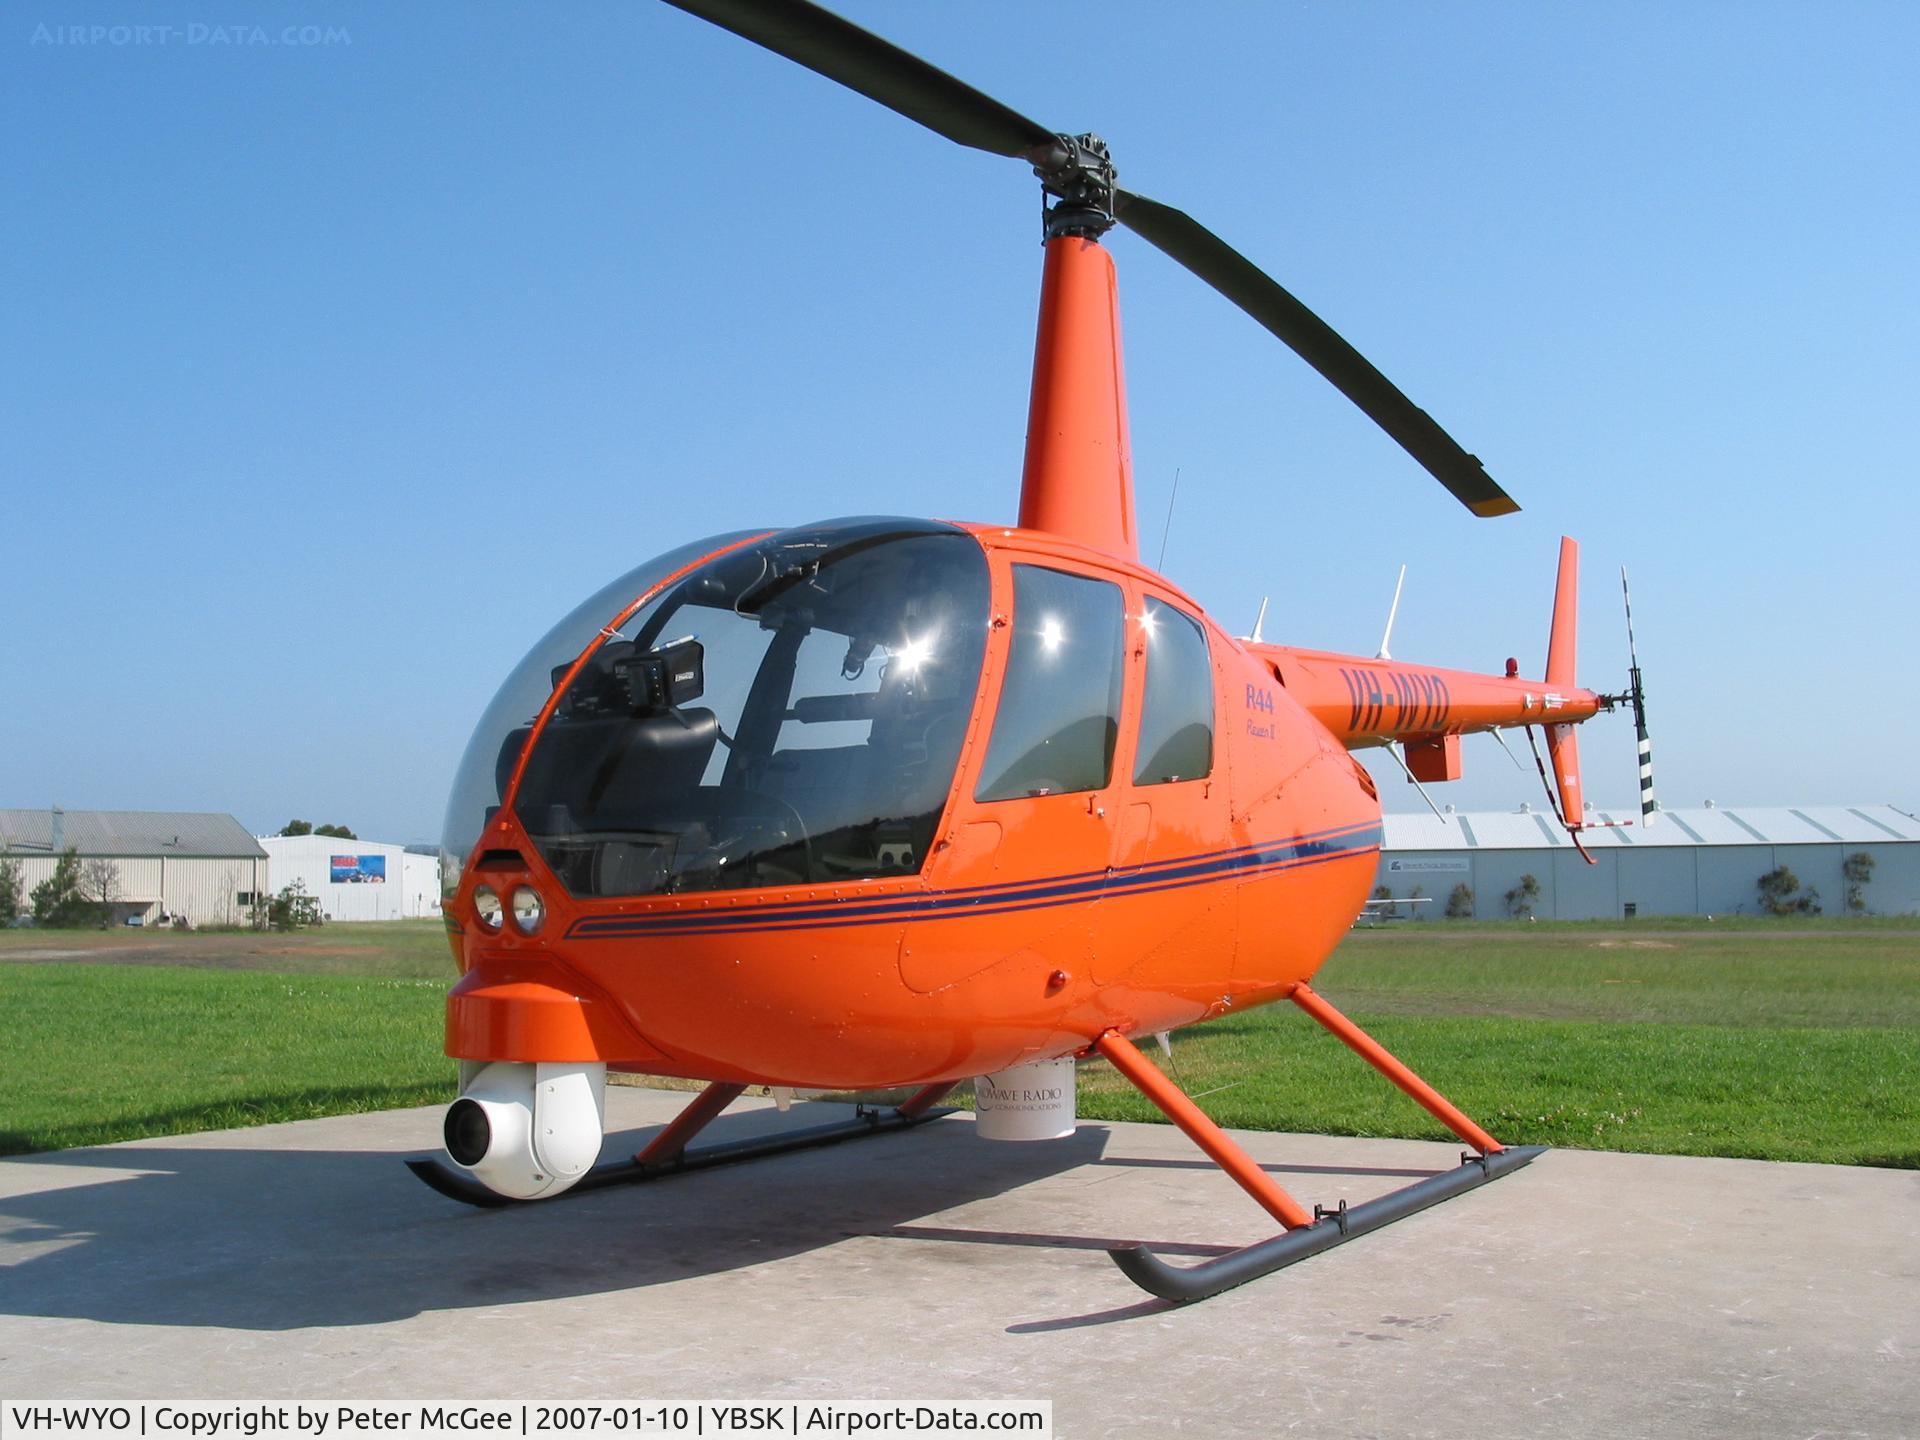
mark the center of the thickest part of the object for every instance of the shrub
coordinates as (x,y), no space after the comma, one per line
(9,889)
(57,900)
(1857,870)
(1460,902)
(1519,900)
(293,908)
(1780,894)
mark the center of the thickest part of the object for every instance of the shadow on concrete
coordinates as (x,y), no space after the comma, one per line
(1046,1242)
(1138,1311)
(1142,1162)
(273,1239)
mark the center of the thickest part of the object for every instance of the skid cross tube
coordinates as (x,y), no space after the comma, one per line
(1217,1144)
(671,1143)
(1376,1055)
(1305,1234)
(673,1158)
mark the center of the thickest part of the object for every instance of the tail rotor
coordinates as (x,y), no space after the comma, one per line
(1637,696)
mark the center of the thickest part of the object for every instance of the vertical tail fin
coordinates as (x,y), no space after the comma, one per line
(1563,748)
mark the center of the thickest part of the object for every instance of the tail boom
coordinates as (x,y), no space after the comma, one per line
(1365,701)
(1368,701)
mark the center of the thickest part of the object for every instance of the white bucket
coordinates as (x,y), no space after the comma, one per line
(1028,1102)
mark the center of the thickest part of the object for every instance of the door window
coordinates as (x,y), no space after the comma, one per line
(1060,703)
(1176,712)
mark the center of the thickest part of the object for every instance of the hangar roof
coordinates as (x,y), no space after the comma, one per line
(1706,825)
(190,835)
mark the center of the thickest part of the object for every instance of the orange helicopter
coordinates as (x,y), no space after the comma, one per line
(884,802)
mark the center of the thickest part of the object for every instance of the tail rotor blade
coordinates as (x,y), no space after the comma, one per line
(1637,693)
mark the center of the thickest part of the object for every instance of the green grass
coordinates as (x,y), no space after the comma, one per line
(1780,1041)
(396,949)
(98,1053)
(1765,974)
(1850,1096)
(1793,1040)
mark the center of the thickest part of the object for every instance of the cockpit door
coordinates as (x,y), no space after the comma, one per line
(1035,827)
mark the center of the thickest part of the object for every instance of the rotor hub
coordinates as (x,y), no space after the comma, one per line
(1077,174)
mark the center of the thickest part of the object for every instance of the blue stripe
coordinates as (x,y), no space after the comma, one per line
(1058,887)
(1124,883)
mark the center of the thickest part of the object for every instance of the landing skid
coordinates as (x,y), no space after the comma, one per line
(1305,1234)
(667,1155)
(1333,1227)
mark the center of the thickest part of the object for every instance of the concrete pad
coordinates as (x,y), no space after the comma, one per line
(1587,1295)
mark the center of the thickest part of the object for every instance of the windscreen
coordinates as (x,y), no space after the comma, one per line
(790,713)
(504,725)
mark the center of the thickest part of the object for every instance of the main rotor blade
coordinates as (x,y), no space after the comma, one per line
(840,50)
(861,60)
(1186,240)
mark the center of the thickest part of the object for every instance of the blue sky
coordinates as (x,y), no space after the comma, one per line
(335,371)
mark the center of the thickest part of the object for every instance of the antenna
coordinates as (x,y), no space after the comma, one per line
(1392,611)
(1260,620)
(1509,749)
(1414,781)
(1167,529)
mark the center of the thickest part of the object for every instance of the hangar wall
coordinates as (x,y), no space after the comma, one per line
(1690,862)
(356,879)
(200,866)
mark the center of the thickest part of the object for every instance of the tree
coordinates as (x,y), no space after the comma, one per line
(9,889)
(307,827)
(1519,900)
(293,908)
(1780,894)
(1856,870)
(100,884)
(1460,902)
(57,901)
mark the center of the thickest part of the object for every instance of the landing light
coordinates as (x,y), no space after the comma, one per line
(486,904)
(528,910)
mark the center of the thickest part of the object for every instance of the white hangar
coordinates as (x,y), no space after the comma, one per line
(356,879)
(1704,861)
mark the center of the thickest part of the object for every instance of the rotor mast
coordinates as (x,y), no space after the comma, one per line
(1078,479)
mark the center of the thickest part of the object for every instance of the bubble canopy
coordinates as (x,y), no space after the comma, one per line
(789,712)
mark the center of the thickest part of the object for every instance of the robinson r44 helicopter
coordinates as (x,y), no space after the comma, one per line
(883,802)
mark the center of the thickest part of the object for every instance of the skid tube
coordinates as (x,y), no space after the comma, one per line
(1304,1234)
(667,1154)
(1210,1277)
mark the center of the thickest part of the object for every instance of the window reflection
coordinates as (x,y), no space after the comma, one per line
(1176,712)
(1060,704)
(817,688)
